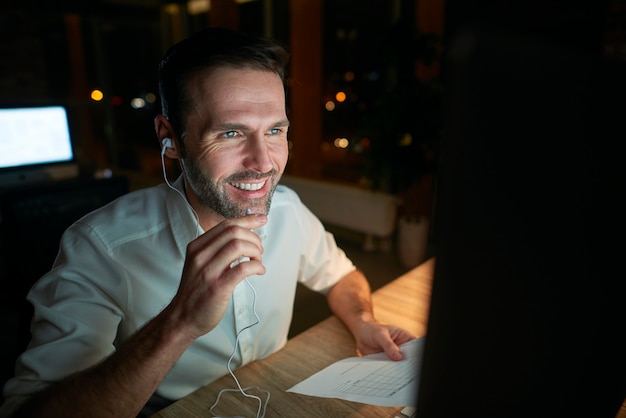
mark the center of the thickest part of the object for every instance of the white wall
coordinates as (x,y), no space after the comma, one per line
(351,207)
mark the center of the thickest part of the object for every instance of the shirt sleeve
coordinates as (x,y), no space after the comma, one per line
(322,263)
(76,316)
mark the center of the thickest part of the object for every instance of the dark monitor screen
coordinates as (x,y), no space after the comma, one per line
(527,314)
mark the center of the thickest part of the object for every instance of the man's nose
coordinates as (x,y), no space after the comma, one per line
(258,155)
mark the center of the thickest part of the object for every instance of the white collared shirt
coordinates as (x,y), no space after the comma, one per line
(119,266)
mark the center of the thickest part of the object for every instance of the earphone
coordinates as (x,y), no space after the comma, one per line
(262,408)
(165,144)
(262,405)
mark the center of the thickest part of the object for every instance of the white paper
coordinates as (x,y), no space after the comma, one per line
(373,379)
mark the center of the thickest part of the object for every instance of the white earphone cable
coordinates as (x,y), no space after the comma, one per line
(179,192)
(262,405)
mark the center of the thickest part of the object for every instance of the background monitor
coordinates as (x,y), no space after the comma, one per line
(37,145)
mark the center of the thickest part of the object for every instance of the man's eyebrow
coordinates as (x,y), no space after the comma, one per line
(228,127)
(236,126)
(284,122)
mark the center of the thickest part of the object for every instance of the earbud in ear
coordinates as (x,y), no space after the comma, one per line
(167,143)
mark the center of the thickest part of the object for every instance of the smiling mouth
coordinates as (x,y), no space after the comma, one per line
(248,186)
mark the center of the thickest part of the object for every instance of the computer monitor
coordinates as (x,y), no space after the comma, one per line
(37,145)
(527,313)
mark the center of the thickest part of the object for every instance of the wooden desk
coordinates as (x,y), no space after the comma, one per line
(403,302)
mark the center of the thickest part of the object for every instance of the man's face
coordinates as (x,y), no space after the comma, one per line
(236,139)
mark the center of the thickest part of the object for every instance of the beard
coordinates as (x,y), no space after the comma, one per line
(214,195)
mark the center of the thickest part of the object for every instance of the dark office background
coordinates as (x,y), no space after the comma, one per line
(58,51)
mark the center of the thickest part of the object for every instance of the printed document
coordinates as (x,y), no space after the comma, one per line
(373,379)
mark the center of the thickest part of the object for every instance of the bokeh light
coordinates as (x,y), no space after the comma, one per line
(341,142)
(138,103)
(97,95)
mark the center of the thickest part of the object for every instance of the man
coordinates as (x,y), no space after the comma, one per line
(151,294)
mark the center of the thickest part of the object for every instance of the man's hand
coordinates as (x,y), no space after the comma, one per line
(350,299)
(374,337)
(208,280)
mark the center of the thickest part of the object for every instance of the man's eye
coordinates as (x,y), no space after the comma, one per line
(274,131)
(229,134)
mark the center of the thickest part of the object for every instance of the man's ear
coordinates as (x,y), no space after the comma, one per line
(166,136)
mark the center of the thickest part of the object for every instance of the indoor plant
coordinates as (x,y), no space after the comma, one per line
(403,128)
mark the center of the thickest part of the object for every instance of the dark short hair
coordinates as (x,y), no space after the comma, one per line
(212,48)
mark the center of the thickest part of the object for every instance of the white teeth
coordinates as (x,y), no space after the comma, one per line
(249,186)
